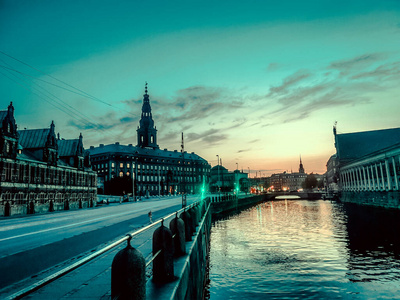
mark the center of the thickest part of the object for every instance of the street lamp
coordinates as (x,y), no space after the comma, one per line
(218,173)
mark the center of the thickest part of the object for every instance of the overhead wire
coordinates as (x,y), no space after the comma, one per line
(84,118)
(80,92)
(52,100)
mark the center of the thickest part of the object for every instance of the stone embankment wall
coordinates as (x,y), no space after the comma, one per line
(191,269)
(384,199)
(224,204)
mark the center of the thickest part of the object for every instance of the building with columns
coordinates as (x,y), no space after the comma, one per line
(369,161)
(40,172)
(146,168)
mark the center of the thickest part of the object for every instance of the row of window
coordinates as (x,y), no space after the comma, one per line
(103,166)
(23,173)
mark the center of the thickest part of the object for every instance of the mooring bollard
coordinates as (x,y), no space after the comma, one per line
(192,214)
(128,274)
(163,253)
(185,216)
(177,227)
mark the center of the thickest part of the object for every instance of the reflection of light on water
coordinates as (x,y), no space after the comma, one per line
(299,249)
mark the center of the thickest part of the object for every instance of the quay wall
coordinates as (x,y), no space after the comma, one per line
(224,204)
(386,199)
(191,270)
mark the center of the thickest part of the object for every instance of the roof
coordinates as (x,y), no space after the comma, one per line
(3,114)
(220,168)
(358,144)
(132,150)
(67,147)
(33,138)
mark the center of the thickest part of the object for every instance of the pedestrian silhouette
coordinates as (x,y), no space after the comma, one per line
(150,217)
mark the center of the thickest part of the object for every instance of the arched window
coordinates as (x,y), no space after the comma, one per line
(121,174)
(152,139)
(141,138)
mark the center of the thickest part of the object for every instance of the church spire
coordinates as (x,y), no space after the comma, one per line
(146,132)
(301,168)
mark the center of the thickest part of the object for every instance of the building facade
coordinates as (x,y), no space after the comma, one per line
(40,172)
(224,181)
(368,161)
(292,181)
(147,169)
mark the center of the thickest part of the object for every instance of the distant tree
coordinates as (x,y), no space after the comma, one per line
(321,184)
(310,182)
(118,186)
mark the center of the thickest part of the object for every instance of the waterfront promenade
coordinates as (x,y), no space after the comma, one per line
(54,245)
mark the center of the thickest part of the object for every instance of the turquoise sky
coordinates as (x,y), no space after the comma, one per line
(256,82)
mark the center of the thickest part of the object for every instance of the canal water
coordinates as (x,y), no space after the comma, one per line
(300,249)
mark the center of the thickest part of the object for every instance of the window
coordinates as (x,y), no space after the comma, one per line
(112,165)
(152,139)
(128,165)
(121,165)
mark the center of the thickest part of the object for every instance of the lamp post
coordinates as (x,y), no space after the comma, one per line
(218,172)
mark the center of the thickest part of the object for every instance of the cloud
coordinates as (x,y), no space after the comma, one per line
(243,150)
(273,67)
(347,66)
(289,82)
(128,119)
(385,71)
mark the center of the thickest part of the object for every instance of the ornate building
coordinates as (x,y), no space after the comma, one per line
(40,172)
(145,169)
(289,181)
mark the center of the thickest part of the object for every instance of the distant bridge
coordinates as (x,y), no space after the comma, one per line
(300,195)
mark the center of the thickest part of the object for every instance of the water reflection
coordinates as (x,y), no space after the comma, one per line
(301,249)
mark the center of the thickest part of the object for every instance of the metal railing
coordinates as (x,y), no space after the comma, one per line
(41,283)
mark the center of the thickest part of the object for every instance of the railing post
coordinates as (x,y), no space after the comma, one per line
(177,227)
(193,216)
(128,274)
(185,216)
(163,263)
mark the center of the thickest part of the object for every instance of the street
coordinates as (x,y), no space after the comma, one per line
(29,245)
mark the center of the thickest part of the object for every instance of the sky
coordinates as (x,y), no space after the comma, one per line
(257,83)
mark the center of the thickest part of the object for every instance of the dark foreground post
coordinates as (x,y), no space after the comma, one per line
(128,274)
(177,227)
(163,253)
(185,216)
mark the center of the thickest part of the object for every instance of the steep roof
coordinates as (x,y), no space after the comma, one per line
(123,149)
(33,138)
(67,147)
(357,144)
(3,114)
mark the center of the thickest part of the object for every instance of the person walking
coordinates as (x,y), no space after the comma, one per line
(150,217)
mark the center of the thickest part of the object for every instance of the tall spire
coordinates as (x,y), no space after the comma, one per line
(301,168)
(146,132)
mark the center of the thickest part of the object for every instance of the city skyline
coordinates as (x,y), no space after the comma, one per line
(258,84)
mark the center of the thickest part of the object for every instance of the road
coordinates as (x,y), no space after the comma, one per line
(29,245)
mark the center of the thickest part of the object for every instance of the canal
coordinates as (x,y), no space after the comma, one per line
(300,249)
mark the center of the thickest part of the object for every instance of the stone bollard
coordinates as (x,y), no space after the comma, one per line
(198,213)
(163,263)
(193,216)
(185,216)
(128,274)
(177,227)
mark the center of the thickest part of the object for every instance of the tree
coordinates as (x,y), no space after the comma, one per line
(310,182)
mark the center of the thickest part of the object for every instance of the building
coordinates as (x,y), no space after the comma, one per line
(221,180)
(40,172)
(367,161)
(292,181)
(145,169)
